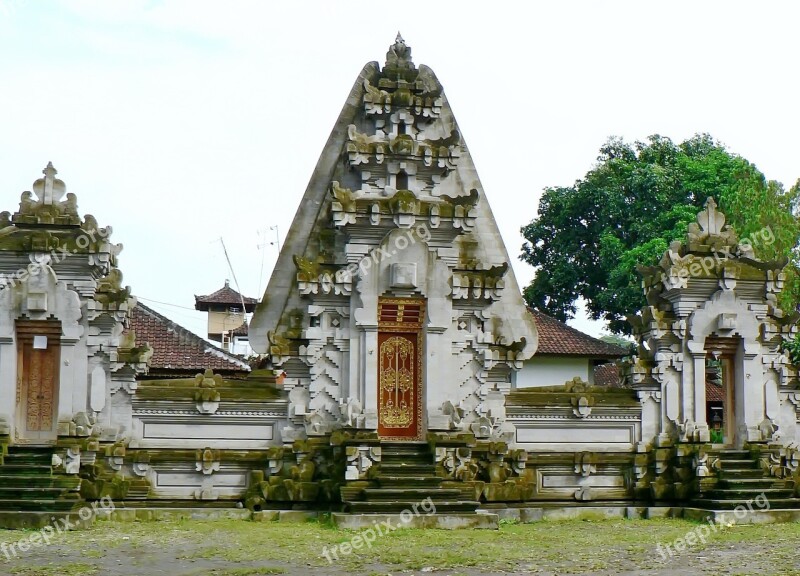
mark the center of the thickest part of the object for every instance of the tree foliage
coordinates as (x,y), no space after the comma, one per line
(620,341)
(588,238)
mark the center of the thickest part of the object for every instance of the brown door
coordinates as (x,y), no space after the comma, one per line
(400,398)
(38,354)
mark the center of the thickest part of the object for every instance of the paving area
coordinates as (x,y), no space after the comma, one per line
(244,548)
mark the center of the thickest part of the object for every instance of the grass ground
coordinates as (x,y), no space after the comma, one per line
(241,548)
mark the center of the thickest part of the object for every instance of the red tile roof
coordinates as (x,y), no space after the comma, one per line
(558,339)
(714,393)
(607,375)
(240,331)
(176,349)
(225,295)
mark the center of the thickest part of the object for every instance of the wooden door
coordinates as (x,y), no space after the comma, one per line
(400,398)
(38,356)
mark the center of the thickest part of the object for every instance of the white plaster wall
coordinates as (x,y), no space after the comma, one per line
(552,371)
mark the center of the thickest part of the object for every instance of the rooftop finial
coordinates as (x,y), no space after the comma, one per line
(399,55)
(48,207)
(710,230)
(49,189)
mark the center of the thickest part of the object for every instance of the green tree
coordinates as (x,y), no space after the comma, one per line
(588,238)
(620,341)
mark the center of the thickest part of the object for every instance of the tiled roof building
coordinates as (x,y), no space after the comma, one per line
(556,338)
(178,352)
(226,296)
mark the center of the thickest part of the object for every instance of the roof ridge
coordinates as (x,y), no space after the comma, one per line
(226,288)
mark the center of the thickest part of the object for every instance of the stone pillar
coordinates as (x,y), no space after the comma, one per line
(751,376)
(438,377)
(8,381)
(78,387)
(695,396)
(67,393)
(370,376)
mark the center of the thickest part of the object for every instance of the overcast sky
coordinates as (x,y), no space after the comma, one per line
(179,122)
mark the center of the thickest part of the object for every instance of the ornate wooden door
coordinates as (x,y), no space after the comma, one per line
(38,355)
(400,398)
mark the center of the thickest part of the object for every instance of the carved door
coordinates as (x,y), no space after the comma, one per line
(38,354)
(400,398)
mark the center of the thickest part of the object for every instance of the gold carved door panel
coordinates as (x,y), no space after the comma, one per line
(400,398)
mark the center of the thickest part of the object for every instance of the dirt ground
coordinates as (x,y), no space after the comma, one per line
(243,548)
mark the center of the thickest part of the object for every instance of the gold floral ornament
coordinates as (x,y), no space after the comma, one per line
(397,382)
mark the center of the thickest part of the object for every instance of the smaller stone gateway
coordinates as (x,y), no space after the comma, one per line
(62,357)
(711,301)
(392,329)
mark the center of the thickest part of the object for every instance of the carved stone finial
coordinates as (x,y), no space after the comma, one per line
(711,220)
(49,189)
(709,232)
(47,207)
(399,55)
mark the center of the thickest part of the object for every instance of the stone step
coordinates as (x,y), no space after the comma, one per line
(422,459)
(403,469)
(438,521)
(753,483)
(397,506)
(176,504)
(39,458)
(405,447)
(24,449)
(63,482)
(17,520)
(37,505)
(29,493)
(26,469)
(747,494)
(717,504)
(740,474)
(400,449)
(739,464)
(350,492)
(389,481)
(731,453)
(416,494)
